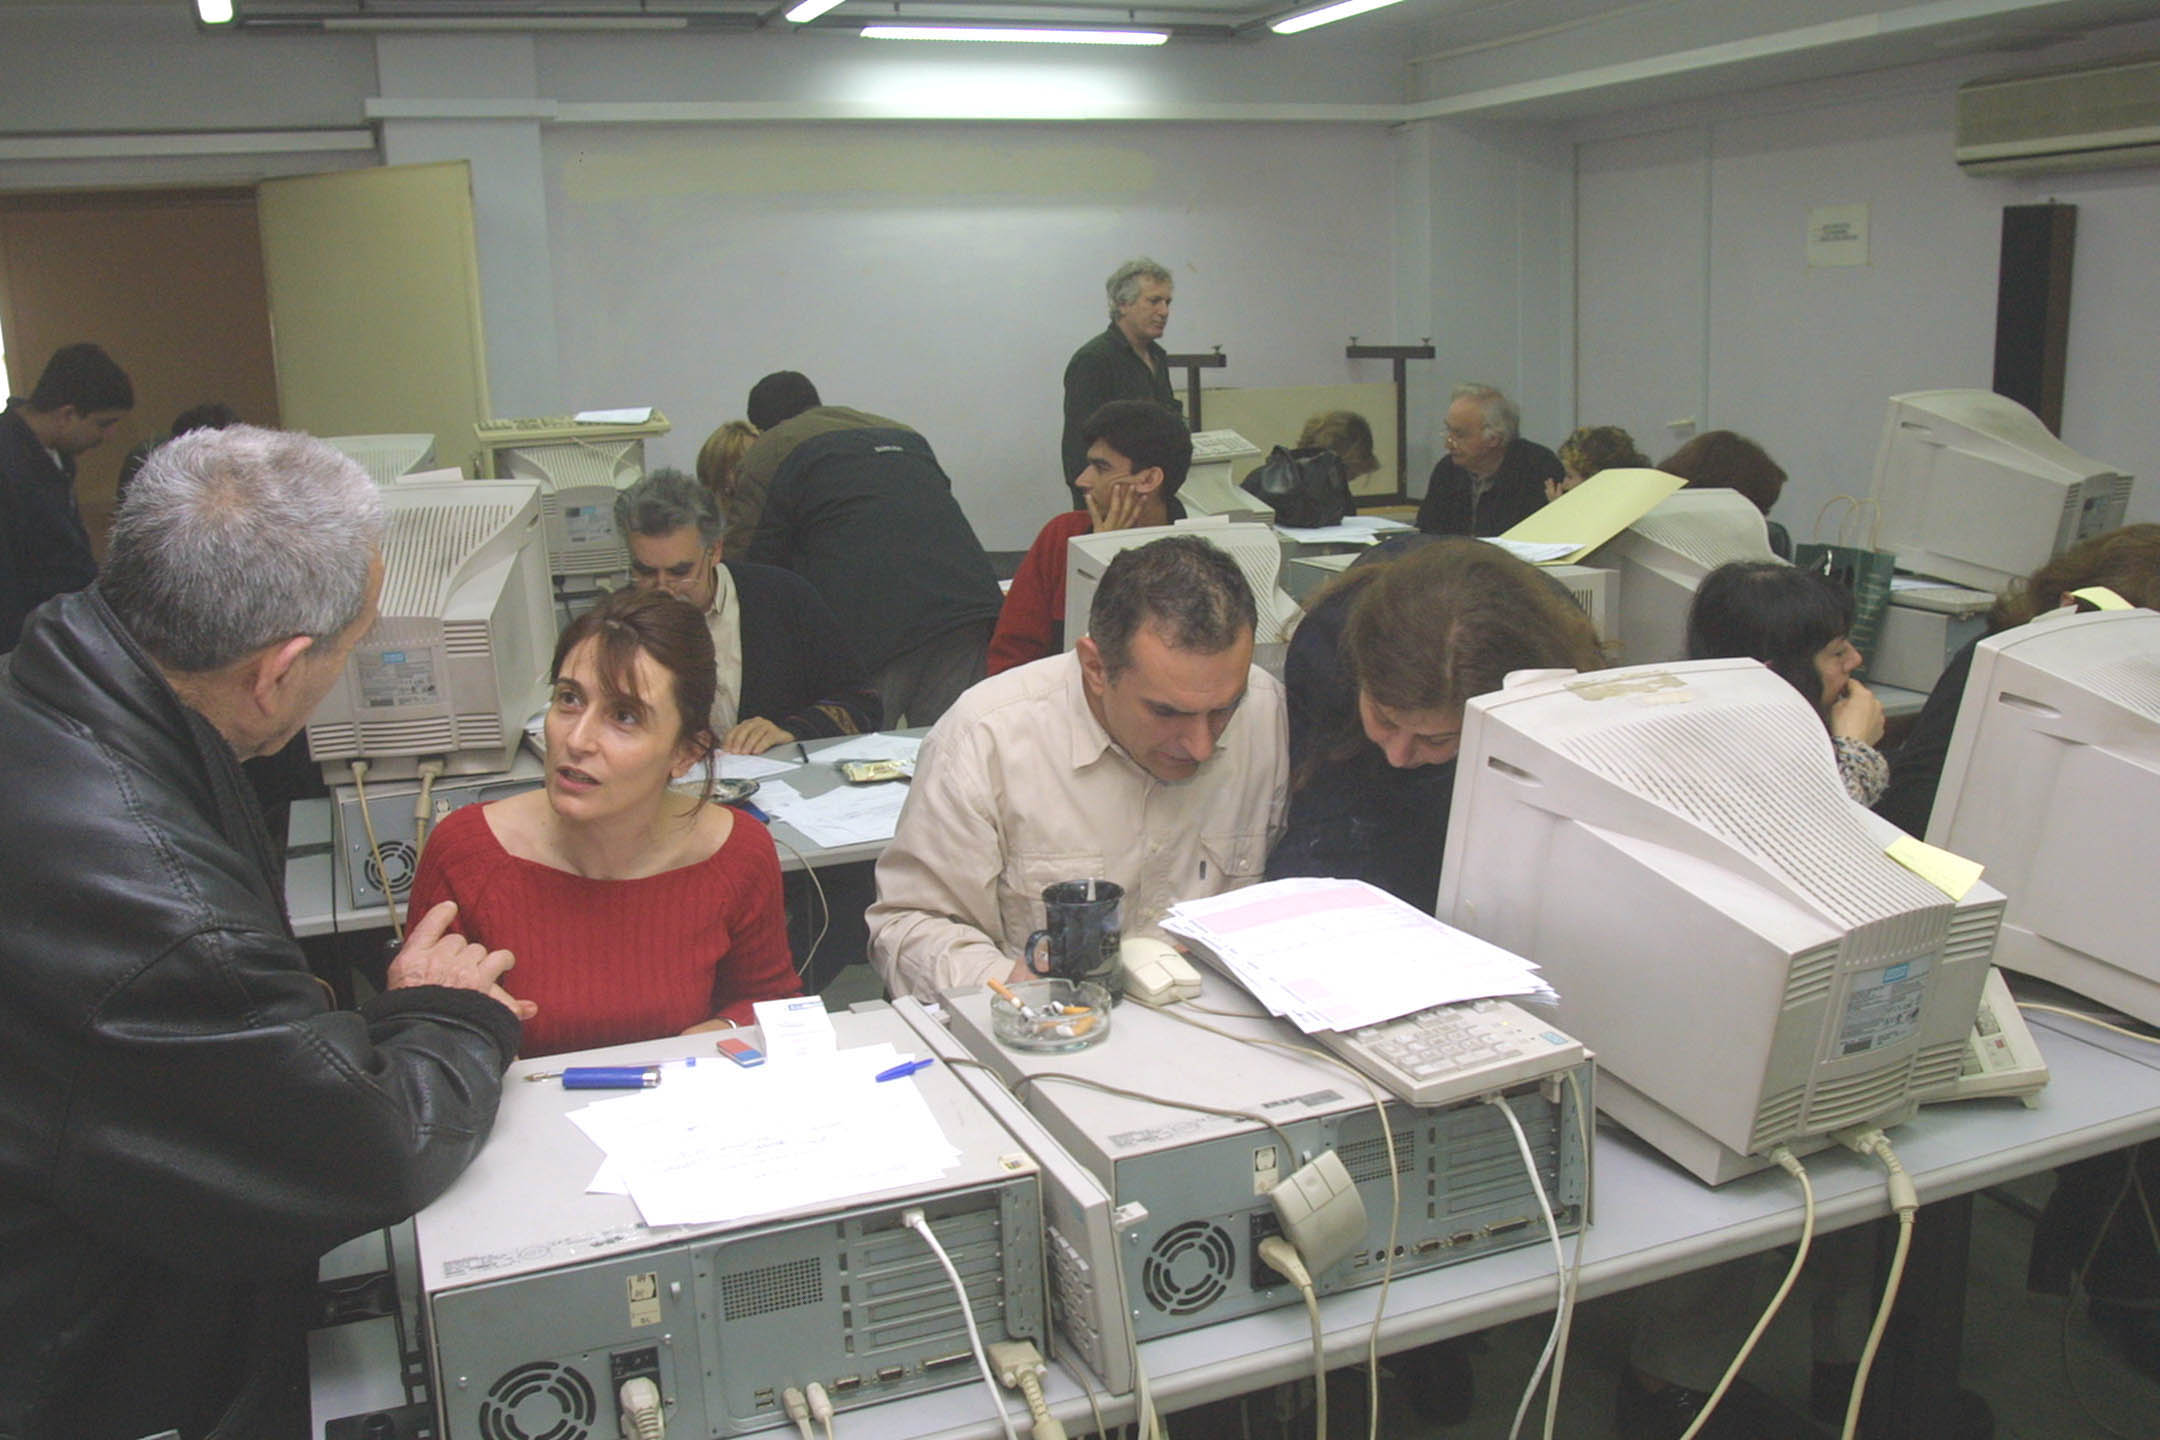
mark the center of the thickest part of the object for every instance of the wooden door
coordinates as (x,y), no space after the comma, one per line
(170,282)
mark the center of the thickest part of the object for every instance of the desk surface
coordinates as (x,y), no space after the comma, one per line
(318,892)
(1651,1220)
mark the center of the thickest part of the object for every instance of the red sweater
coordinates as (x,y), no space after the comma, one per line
(610,961)
(1031,623)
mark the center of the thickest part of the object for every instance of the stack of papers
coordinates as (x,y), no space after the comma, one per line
(845,815)
(1340,954)
(713,1143)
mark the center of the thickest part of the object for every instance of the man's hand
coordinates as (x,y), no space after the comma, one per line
(1857,715)
(433,955)
(753,737)
(1119,510)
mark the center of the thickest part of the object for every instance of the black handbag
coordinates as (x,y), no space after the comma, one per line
(1307,488)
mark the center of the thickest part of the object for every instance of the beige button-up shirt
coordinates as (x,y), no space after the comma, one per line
(1020,787)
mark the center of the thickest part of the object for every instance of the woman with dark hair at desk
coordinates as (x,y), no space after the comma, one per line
(2126,561)
(1377,677)
(1798,624)
(635,912)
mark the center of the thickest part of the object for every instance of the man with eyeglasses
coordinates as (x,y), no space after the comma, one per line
(1136,455)
(786,669)
(1491,479)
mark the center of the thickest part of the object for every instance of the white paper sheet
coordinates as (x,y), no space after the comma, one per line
(1537,552)
(1354,530)
(634,415)
(716,1144)
(1339,954)
(849,815)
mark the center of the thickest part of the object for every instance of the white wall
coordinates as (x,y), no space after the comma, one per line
(942,274)
(1693,279)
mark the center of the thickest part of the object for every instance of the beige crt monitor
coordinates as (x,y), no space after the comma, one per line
(1661,559)
(2053,782)
(1974,488)
(458,656)
(1673,846)
(1255,547)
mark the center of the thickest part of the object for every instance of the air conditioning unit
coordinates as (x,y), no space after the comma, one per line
(2079,118)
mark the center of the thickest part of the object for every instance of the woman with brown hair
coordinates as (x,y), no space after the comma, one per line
(635,912)
(1378,675)
(1723,460)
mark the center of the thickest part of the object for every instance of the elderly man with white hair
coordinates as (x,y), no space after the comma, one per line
(187,1121)
(1124,362)
(1491,478)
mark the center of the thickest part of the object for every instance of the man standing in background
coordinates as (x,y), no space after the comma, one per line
(1125,362)
(44,549)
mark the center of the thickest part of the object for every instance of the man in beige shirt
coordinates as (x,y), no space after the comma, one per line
(1153,755)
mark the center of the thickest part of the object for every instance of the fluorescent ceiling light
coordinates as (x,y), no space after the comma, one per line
(808,10)
(214,12)
(1017,35)
(1340,10)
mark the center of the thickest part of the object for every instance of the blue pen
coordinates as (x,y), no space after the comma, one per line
(905,1069)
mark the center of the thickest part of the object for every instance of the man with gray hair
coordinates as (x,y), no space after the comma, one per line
(1124,362)
(1491,479)
(787,671)
(186,1122)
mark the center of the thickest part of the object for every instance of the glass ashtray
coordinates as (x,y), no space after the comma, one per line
(1053,1015)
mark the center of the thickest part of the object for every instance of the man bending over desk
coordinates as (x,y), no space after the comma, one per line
(1152,755)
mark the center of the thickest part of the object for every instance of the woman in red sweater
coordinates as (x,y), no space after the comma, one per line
(634,912)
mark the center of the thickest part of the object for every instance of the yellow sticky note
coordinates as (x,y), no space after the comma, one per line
(2100,598)
(1598,509)
(1954,875)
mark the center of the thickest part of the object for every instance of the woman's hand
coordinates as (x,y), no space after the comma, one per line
(1857,715)
(753,737)
(705,1027)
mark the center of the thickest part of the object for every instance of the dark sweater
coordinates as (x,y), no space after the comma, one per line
(799,671)
(1516,490)
(1352,815)
(1103,370)
(1916,766)
(44,549)
(865,515)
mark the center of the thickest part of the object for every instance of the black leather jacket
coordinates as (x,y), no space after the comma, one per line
(185,1122)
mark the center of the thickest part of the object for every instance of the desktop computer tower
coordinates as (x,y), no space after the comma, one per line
(1190,1188)
(539,1299)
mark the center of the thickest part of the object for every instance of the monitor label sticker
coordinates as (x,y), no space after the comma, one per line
(589,524)
(1883,1007)
(391,678)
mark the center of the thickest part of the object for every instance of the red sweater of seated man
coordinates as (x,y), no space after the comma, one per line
(611,961)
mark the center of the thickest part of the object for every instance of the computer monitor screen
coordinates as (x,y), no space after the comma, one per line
(1255,547)
(1975,489)
(2053,782)
(1662,558)
(386,457)
(458,658)
(578,480)
(1673,846)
